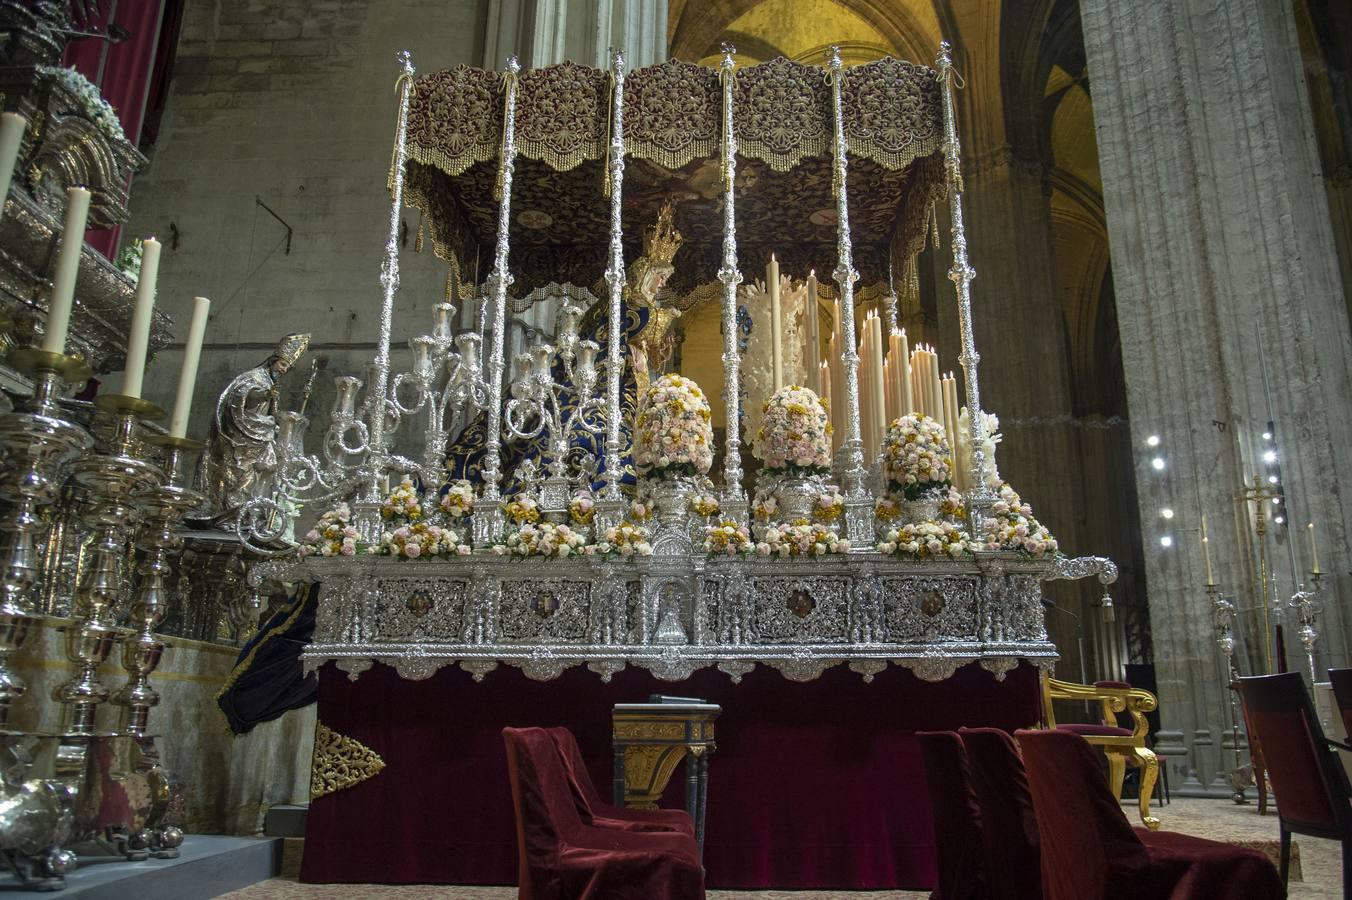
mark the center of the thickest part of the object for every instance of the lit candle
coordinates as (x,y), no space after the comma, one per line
(67,267)
(776,323)
(875,337)
(187,376)
(1314,551)
(904,375)
(824,376)
(139,338)
(951,421)
(812,329)
(936,388)
(865,391)
(12,127)
(1206,553)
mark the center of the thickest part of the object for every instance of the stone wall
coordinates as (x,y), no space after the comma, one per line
(293,105)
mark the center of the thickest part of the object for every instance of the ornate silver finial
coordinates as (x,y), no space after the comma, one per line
(833,58)
(616,58)
(945,57)
(513,65)
(728,49)
(405,60)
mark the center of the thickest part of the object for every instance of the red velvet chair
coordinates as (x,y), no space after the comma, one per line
(957,817)
(563,858)
(595,811)
(1089,852)
(1009,835)
(1307,777)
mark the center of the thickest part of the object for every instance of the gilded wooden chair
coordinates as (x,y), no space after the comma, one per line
(1122,746)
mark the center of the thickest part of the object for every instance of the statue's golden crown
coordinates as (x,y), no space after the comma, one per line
(292,347)
(661,240)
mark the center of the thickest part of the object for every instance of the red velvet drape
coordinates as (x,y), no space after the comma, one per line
(814,785)
(122,72)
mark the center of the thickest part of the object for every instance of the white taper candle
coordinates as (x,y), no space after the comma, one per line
(12,128)
(187,376)
(67,268)
(141,316)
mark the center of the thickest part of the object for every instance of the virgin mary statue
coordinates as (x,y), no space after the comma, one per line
(648,340)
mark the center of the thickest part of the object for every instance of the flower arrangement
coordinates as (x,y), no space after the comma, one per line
(829,505)
(926,540)
(795,436)
(705,505)
(764,506)
(885,508)
(673,437)
(421,540)
(728,539)
(640,509)
(543,539)
(333,535)
(402,505)
(625,539)
(90,99)
(522,510)
(1012,527)
(800,538)
(919,460)
(582,509)
(457,501)
(953,506)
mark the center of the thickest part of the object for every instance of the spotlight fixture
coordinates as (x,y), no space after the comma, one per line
(1270,456)
(1166,541)
(1167,513)
(1158,463)
(1153,441)
(1280,520)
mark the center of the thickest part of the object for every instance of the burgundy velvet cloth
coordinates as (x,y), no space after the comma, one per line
(813,785)
(1089,851)
(956,816)
(563,858)
(1009,836)
(595,811)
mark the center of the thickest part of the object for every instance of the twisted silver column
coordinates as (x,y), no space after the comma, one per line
(980,497)
(734,495)
(488,520)
(368,503)
(859,517)
(615,281)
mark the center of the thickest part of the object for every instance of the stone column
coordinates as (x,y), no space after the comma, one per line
(543,32)
(1222,253)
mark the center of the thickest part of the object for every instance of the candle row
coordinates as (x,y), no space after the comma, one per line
(1206,552)
(138,342)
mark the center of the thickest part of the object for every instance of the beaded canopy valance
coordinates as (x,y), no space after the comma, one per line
(893,125)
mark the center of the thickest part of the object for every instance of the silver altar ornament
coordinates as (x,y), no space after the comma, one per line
(734,495)
(37,443)
(241,459)
(608,511)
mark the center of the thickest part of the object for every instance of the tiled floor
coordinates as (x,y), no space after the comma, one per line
(1215,819)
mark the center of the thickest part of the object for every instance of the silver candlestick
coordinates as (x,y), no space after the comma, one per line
(36,443)
(113,478)
(162,507)
(1307,606)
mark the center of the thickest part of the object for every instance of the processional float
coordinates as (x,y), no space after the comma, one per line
(861,556)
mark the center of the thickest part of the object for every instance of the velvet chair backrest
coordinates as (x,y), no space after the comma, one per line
(1311,788)
(588,799)
(1008,823)
(545,811)
(1342,692)
(1082,831)
(957,816)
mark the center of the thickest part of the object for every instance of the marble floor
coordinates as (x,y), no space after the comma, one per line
(1215,819)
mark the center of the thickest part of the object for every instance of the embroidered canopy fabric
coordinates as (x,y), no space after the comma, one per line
(782,122)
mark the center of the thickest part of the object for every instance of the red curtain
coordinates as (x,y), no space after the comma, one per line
(123,71)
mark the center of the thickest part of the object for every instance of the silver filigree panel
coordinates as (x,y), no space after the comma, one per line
(544,609)
(802,608)
(929,609)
